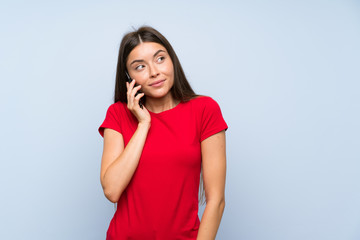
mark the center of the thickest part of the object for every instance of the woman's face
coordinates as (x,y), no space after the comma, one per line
(150,65)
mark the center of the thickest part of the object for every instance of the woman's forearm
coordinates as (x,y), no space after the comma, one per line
(210,220)
(120,172)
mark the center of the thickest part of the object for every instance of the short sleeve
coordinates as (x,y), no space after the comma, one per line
(111,120)
(212,120)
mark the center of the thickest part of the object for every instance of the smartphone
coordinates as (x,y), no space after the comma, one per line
(130,80)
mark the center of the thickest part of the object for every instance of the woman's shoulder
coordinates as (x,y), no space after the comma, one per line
(203,101)
(118,109)
(117,106)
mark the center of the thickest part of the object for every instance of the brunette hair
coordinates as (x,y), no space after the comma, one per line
(181,89)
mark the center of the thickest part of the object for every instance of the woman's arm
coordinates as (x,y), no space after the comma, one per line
(214,173)
(118,164)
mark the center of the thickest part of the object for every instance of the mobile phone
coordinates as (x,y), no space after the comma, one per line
(130,80)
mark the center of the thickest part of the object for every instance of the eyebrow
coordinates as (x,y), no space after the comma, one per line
(157,52)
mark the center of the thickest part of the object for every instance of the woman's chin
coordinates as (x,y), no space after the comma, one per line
(158,95)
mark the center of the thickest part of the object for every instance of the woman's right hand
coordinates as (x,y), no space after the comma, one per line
(142,114)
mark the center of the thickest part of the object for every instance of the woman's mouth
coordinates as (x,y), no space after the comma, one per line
(157,83)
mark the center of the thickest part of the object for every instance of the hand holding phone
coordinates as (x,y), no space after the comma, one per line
(129,81)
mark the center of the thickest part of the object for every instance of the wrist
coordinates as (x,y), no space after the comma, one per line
(144,125)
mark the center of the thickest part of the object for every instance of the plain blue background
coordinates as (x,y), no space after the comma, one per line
(285,73)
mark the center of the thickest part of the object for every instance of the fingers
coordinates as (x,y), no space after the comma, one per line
(137,98)
(134,91)
(130,86)
(133,96)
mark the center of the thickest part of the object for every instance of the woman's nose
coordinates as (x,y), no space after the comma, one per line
(153,71)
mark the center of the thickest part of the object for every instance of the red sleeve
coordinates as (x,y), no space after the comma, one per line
(212,120)
(111,120)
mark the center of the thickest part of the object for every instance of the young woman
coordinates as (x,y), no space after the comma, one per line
(158,135)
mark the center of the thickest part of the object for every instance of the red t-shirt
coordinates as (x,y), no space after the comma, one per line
(161,200)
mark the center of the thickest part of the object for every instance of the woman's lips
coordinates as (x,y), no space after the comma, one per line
(157,83)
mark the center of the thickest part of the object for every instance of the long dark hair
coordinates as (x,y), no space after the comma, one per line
(181,89)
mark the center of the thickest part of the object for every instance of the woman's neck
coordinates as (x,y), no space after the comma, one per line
(157,105)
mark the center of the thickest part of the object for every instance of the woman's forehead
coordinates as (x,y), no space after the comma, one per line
(146,50)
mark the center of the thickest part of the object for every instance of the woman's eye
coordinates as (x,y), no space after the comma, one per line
(160,59)
(139,67)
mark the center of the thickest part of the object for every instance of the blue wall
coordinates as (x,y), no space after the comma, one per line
(285,73)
